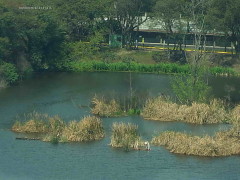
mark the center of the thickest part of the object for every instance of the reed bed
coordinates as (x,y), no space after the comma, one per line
(235,121)
(54,129)
(88,129)
(162,109)
(181,143)
(104,108)
(235,114)
(32,123)
(125,136)
(116,106)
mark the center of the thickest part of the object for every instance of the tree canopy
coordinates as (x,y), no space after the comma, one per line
(37,38)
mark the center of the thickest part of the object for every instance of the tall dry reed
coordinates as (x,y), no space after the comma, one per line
(124,135)
(32,123)
(181,143)
(162,109)
(105,108)
(56,130)
(90,128)
(235,121)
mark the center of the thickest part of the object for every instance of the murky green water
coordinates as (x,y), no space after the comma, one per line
(62,94)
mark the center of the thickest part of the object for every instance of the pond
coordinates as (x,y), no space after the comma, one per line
(69,95)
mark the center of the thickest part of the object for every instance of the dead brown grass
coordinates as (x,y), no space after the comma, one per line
(235,121)
(33,123)
(181,143)
(198,113)
(105,109)
(160,109)
(56,130)
(88,129)
(125,136)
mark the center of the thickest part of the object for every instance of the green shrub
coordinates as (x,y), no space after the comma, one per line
(160,56)
(109,57)
(8,72)
(189,88)
(222,71)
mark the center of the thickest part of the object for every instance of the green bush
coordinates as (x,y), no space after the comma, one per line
(160,56)
(8,72)
(189,89)
(222,71)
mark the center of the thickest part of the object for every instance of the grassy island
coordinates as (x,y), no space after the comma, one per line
(125,136)
(162,109)
(224,143)
(54,129)
(114,107)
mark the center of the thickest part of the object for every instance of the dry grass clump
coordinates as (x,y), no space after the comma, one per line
(56,125)
(34,123)
(235,121)
(160,109)
(181,143)
(88,129)
(125,136)
(198,113)
(235,114)
(56,130)
(104,108)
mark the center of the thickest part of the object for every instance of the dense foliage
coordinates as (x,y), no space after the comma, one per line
(40,35)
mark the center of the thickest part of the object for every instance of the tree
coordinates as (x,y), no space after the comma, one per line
(168,13)
(224,16)
(194,87)
(129,14)
(81,18)
(173,16)
(33,36)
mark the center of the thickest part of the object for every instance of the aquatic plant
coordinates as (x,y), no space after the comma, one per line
(31,123)
(235,121)
(116,106)
(182,143)
(201,113)
(163,109)
(90,128)
(54,129)
(105,108)
(125,135)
